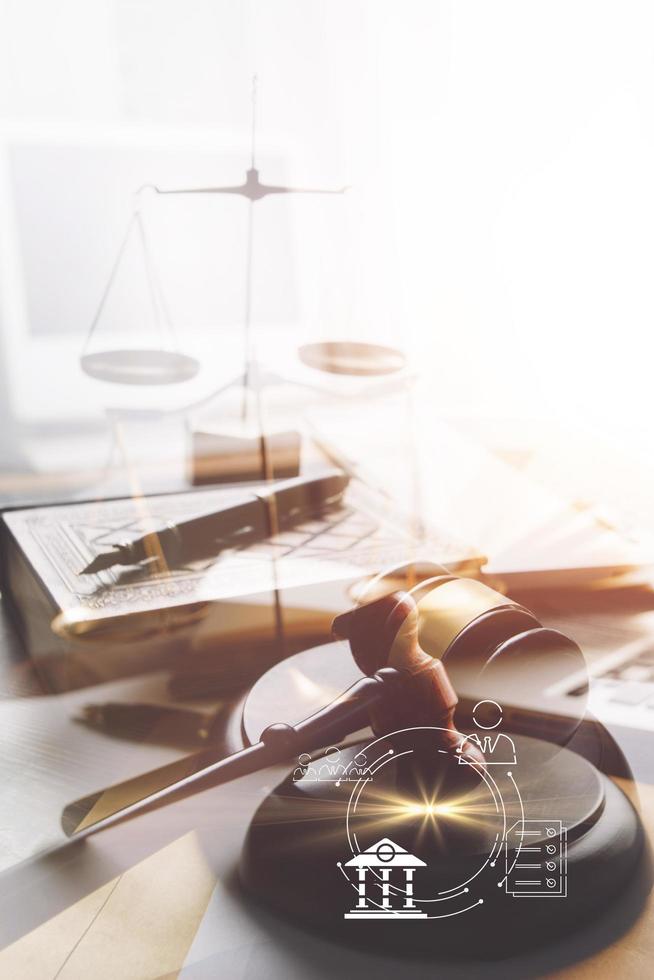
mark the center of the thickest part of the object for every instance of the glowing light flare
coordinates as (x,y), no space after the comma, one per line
(429,808)
(474,811)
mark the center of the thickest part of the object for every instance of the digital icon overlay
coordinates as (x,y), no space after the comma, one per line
(523,857)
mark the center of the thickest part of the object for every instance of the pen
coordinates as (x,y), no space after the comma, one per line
(205,535)
(138,721)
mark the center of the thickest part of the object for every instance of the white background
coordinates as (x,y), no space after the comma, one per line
(500,156)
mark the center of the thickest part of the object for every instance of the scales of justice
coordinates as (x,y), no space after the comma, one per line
(167,364)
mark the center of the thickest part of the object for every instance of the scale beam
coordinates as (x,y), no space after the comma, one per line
(252,188)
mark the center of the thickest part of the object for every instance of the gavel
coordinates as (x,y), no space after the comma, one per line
(403,685)
(384,636)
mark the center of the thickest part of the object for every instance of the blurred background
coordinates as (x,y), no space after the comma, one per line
(489,226)
(497,227)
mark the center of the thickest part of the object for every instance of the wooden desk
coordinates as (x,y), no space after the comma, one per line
(151,899)
(157,897)
(632,955)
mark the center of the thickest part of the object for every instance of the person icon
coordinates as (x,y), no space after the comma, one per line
(332,768)
(359,767)
(304,769)
(498,749)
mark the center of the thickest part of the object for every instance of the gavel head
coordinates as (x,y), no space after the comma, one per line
(459,633)
(382,633)
(385,633)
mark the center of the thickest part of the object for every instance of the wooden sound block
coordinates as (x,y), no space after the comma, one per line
(473,874)
(467,886)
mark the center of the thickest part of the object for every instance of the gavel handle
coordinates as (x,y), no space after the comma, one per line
(347,714)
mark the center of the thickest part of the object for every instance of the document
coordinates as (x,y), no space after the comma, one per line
(537,859)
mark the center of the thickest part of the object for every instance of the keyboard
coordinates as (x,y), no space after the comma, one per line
(622,687)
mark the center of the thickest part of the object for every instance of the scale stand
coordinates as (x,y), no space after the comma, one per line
(253,189)
(167,366)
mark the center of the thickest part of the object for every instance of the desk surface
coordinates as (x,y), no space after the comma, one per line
(158,896)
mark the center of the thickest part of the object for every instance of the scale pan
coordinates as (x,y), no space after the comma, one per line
(140,367)
(352,357)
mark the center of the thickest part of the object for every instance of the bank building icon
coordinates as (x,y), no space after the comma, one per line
(375,866)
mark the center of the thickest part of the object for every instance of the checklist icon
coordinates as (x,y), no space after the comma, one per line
(536,855)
